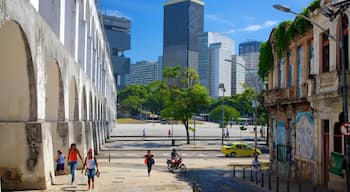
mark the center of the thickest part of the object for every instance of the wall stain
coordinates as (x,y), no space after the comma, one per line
(34,141)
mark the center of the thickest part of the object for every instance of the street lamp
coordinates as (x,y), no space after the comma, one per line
(329,12)
(255,102)
(222,87)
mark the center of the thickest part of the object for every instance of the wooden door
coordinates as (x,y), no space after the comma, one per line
(326,157)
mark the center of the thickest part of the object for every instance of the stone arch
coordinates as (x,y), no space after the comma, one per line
(83,105)
(54,110)
(18,98)
(73,101)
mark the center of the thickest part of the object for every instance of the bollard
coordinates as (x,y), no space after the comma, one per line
(288,187)
(262,180)
(243,173)
(270,182)
(256,178)
(234,171)
(194,187)
(109,157)
(277,184)
(299,187)
(251,175)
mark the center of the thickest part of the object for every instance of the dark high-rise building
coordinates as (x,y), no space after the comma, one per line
(250,52)
(118,34)
(183,23)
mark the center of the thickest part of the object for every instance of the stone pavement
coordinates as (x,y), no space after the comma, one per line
(130,175)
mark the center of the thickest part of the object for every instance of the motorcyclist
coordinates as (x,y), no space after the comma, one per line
(174,157)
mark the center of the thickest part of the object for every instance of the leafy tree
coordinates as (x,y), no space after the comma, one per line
(154,101)
(183,95)
(132,98)
(230,113)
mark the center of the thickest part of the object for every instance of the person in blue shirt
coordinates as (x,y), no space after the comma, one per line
(60,162)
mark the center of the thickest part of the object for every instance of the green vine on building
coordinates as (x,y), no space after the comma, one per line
(282,35)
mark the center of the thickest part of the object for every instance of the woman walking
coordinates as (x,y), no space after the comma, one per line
(149,161)
(91,165)
(73,154)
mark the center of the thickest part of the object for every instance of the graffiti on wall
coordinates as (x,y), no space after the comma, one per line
(305,135)
(304,169)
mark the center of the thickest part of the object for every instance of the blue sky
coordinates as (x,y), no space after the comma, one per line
(241,20)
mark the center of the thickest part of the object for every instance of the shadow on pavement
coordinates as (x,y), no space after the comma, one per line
(214,180)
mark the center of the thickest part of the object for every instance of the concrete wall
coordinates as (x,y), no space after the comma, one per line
(49,100)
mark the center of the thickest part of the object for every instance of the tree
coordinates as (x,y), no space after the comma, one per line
(154,101)
(230,113)
(183,95)
(132,98)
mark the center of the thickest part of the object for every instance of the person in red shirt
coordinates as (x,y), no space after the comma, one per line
(73,154)
(149,161)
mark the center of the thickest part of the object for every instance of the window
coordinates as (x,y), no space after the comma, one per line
(311,58)
(325,53)
(290,69)
(280,71)
(300,70)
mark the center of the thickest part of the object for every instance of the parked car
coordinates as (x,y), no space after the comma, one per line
(163,121)
(239,149)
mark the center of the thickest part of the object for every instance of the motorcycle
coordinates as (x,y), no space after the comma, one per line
(176,164)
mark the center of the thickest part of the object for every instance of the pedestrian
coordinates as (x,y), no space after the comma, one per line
(256,166)
(60,162)
(91,168)
(73,154)
(149,161)
(262,131)
(169,133)
(227,133)
(144,132)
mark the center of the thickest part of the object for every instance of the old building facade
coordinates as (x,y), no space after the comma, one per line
(57,87)
(305,103)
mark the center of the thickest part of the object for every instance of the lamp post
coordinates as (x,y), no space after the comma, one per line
(332,13)
(222,87)
(255,112)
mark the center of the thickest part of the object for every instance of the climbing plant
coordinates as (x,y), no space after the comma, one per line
(265,60)
(282,35)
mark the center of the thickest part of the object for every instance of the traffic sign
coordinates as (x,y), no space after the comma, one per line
(345,128)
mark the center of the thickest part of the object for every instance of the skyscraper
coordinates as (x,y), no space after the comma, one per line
(117,29)
(215,50)
(238,74)
(183,23)
(250,52)
(143,72)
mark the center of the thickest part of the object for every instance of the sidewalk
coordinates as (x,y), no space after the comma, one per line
(124,176)
(276,182)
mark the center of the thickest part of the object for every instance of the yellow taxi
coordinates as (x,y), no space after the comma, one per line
(239,149)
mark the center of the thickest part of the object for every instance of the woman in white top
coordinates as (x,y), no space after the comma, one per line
(90,164)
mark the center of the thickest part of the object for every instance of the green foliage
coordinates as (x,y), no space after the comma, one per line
(131,98)
(281,38)
(230,113)
(183,95)
(265,60)
(283,34)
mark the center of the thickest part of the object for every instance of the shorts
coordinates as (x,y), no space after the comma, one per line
(90,173)
(60,167)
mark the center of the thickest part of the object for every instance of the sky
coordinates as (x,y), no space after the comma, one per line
(241,20)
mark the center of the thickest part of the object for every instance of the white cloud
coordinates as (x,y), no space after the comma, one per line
(230,31)
(258,27)
(218,19)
